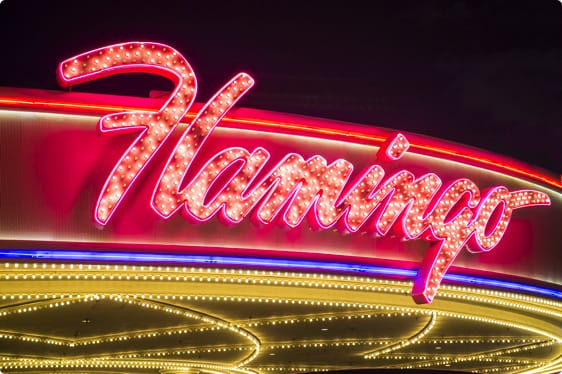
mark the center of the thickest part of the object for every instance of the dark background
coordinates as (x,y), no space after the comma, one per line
(482,73)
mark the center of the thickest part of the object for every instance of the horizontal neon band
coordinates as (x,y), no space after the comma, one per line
(135,257)
(15,101)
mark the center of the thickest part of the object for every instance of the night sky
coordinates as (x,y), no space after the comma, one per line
(483,73)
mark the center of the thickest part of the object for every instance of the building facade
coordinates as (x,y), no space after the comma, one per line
(163,235)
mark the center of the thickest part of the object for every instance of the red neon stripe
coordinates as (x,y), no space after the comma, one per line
(495,163)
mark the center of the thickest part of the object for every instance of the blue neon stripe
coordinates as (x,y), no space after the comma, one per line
(266,263)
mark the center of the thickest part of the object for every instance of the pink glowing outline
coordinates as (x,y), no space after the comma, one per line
(131,67)
(407,206)
(252,186)
(513,194)
(313,218)
(433,201)
(425,295)
(185,134)
(292,195)
(470,242)
(248,191)
(380,208)
(240,159)
(277,121)
(436,197)
(423,278)
(441,192)
(221,208)
(344,218)
(421,291)
(475,246)
(384,153)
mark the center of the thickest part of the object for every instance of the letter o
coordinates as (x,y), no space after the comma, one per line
(493,209)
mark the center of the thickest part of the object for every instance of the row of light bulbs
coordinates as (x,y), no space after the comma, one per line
(267,277)
(493,356)
(404,343)
(148,304)
(470,294)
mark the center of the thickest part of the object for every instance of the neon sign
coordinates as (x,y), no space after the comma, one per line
(244,185)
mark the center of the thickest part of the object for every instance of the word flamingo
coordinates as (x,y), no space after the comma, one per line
(448,216)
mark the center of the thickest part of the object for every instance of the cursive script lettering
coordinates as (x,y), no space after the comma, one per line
(245,185)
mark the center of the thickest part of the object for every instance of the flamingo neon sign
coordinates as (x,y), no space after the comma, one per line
(449,215)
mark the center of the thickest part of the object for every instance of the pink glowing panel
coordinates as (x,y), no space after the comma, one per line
(235,182)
